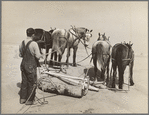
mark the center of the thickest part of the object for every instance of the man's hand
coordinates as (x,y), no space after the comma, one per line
(42,56)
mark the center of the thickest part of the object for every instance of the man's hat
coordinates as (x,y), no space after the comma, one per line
(30,31)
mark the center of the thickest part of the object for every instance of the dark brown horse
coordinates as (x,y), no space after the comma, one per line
(63,39)
(101,56)
(44,40)
(122,56)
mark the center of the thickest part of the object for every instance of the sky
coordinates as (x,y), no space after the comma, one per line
(121,20)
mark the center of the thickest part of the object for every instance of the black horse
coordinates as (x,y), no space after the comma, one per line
(44,40)
(122,56)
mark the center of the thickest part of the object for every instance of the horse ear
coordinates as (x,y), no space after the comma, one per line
(91,30)
(87,30)
(104,34)
(108,37)
(99,34)
(131,44)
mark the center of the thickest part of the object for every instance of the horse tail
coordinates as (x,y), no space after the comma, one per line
(99,54)
(120,66)
(56,45)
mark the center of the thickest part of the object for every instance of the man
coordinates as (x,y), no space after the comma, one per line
(30,53)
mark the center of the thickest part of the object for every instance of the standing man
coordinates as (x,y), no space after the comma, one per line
(30,53)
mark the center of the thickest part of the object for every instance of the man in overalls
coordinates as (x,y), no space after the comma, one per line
(30,53)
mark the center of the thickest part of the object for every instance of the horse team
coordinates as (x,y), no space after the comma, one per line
(121,54)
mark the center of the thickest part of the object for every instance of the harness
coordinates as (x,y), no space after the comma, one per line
(77,37)
(127,59)
(64,36)
(110,46)
(43,39)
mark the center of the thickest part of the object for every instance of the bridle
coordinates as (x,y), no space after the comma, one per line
(77,36)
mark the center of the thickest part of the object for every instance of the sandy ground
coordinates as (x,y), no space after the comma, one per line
(104,101)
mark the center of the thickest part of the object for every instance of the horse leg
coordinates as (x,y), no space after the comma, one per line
(74,56)
(121,76)
(131,74)
(67,56)
(47,51)
(102,74)
(55,58)
(107,79)
(95,65)
(51,62)
(114,66)
(60,56)
(59,60)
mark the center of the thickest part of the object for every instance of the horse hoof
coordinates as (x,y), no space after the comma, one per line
(131,84)
(108,85)
(92,79)
(75,65)
(91,82)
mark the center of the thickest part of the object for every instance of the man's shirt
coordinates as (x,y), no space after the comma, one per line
(33,47)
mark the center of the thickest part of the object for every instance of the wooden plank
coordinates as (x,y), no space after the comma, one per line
(62,75)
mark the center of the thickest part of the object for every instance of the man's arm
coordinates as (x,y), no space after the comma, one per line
(21,50)
(37,53)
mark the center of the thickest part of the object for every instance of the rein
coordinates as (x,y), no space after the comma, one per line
(77,37)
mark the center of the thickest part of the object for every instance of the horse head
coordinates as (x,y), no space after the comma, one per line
(129,45)
(38,34)
(84,35)
(51,31)
(87,37)
(103,37)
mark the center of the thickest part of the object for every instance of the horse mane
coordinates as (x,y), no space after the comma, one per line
(38,30)
(128,45)
(79,28)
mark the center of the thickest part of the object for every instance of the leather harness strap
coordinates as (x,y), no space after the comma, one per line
(128,59)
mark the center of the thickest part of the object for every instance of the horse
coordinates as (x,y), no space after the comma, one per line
(44,40)
(63,39)
(101,56)
(122,56)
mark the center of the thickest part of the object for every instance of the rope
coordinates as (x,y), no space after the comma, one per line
(27,99)
(34,86)
(84,58)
